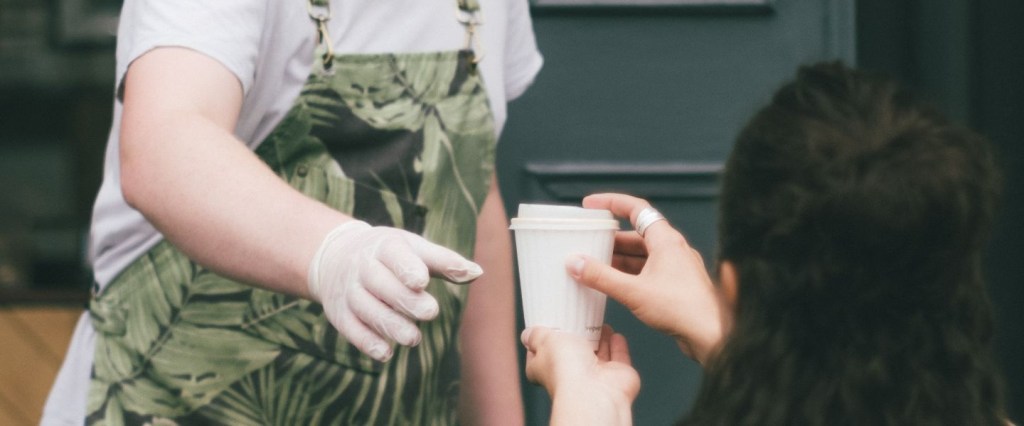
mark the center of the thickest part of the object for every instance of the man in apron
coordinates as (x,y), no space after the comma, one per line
(290,286)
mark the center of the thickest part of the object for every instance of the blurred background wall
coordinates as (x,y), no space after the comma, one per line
(647,101)
(56,78)
(638,99)
(56,73)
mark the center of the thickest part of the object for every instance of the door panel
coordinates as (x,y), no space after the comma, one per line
(648,101)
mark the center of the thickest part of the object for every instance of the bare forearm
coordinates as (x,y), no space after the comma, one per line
(218,203)
(204,189)
(490,368)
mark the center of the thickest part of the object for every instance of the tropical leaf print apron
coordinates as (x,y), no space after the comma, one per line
(403,140)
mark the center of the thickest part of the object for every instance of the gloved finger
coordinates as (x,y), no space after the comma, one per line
(379,281)
(398,256)
(382,318)
(445,262)
(357,333)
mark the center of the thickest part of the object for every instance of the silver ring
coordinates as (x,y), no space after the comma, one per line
(646,218)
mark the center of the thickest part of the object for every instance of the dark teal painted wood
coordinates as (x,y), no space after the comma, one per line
(649,88)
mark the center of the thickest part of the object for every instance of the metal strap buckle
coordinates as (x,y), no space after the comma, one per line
(472,19)
(321,13)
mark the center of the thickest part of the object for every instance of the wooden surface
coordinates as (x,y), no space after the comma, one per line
(33,340)
(53,297)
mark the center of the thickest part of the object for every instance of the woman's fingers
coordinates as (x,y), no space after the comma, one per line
(630,253)
(543,355)
(627,206)
(621,205)
(604,344)
(603,278)
(630,243)
(529,340)
(619,349)
(613,346)
(629,264)
(664,242)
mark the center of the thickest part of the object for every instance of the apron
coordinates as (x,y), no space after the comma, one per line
(402,140)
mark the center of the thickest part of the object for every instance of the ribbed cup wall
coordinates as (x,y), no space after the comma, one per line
(552,298)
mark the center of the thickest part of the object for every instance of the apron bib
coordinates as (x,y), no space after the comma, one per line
(402,140)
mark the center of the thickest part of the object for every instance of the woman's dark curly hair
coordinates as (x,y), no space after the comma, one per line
(855,217)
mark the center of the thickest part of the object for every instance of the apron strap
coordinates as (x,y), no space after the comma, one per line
(320,12)
(468,14)
(470,17)
(466,5)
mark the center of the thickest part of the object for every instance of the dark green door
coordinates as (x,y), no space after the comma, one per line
(648,101)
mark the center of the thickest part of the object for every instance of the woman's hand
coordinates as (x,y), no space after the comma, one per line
(672,292)
(630,254)
(586,388)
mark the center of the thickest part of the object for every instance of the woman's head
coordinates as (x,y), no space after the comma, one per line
(854,217)
(882,202)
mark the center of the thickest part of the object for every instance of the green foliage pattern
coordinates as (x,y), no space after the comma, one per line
(178,344)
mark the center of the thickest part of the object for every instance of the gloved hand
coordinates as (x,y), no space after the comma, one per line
(371,282)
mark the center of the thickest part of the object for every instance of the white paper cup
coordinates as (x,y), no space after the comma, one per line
(546,235)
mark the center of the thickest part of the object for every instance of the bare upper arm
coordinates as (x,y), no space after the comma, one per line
(167,83)
(169,93)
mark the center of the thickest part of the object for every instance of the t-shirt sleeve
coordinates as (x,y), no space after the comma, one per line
(228,31)
(522,58)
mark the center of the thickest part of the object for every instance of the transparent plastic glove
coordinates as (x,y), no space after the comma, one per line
(371,282)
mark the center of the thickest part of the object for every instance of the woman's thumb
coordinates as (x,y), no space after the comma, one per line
(600,277)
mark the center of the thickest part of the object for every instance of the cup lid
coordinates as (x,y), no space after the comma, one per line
(542,224)
(553,211)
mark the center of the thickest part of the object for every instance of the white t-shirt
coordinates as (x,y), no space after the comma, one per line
(269,45)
